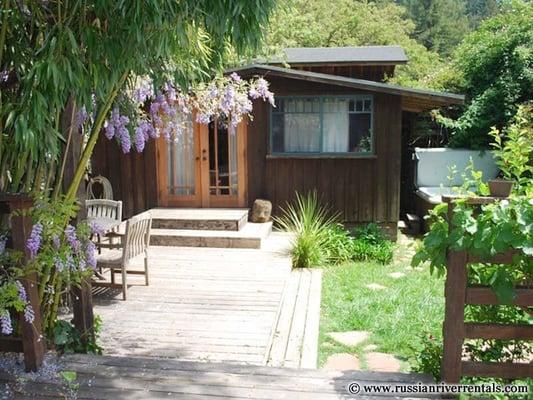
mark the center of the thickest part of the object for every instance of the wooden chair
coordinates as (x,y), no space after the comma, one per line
(133,244)
(106,212)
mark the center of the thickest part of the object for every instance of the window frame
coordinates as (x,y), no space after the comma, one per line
(345,154)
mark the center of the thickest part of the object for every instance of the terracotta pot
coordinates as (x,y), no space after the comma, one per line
(500,187)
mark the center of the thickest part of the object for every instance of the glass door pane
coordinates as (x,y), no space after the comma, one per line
(181,167)
(223,176)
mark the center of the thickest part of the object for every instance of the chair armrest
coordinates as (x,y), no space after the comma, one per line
(115,234)
(109,245)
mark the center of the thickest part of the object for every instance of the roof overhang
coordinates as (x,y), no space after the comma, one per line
(413,100)
(338,56)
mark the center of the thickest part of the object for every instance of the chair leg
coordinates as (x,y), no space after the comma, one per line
(146,278)
(124,283)
(112,272)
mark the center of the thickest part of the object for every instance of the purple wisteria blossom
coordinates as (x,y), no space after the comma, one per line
(5,324)
(56,242)
(96,229)
(228,100)
(22,292)
(70,264)
(3,242)
(91,255)
(144,91)
(29,314)
(81,117)
(72,238)
(34,242)
(115,126)
(235,77)
(58,263)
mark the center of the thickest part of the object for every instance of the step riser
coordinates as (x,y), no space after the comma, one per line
(217,242)
(202,225)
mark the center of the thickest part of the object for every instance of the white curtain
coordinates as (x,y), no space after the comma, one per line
(181,176)
(336,125)
(302,127)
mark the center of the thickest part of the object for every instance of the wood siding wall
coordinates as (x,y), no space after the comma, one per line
(362,189)
(369,72)
(133,176)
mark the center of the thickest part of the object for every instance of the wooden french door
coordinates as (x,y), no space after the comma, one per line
(204,167)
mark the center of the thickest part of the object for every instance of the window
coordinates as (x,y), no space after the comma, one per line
(325,124)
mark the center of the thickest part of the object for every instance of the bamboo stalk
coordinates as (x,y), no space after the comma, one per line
(87,152)
(50,174)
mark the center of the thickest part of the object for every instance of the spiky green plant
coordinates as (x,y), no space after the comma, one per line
(309,221)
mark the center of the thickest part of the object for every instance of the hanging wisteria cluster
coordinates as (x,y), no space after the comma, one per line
(14,297)
(142,114)
(68,255)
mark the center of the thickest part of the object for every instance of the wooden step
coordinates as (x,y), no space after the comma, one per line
(212,219)
(250,236)
(110,378)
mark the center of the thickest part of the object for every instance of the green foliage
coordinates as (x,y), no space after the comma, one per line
(315,23)
(500,226)
(493,67)
(310,222)
(440,24)
(68,339)
(514,150)
(88,51)
(428,358)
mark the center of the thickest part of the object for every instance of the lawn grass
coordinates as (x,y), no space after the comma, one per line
(396,316)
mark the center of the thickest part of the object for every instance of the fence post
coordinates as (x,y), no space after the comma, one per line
(455,297)
(32,338)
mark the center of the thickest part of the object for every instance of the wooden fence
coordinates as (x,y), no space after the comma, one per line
(32,340)
(458,294)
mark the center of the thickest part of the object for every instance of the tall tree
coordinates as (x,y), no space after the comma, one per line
(479,10)
(317,23)
(440,24)
(493,67)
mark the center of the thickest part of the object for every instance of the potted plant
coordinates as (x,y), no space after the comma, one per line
(500,187)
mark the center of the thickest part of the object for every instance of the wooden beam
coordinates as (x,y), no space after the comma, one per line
(498,370)
(484,295)
(498,331)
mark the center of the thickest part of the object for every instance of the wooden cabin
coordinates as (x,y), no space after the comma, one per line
(336,128)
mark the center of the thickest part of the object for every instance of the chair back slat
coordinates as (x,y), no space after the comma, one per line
(137,237)
(101,208)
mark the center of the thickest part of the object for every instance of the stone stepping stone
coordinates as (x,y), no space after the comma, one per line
(350,338)
(342,362)
(382,362)
(396,275)
(375,286)
(370,347)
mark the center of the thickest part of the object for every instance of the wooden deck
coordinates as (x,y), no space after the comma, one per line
(202,304)
(295,341)
(117,378)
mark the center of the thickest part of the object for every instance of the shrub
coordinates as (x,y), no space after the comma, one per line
(366,243)
(310,221)
(429,358)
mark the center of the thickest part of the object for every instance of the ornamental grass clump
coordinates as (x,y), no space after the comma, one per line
(310,222)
